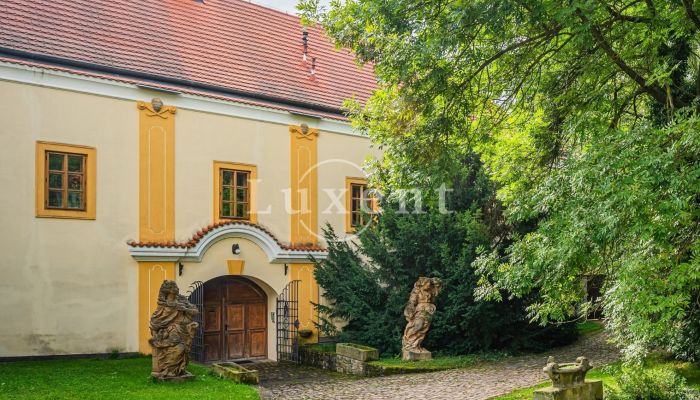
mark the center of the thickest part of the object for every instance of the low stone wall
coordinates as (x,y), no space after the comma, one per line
(348,359)
(317,358)
(380,370)
(351,366)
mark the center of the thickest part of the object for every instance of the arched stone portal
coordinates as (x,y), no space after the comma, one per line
(235,322)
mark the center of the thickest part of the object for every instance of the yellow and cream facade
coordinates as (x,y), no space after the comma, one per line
(146,189)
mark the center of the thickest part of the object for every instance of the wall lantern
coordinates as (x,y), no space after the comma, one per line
(236,249)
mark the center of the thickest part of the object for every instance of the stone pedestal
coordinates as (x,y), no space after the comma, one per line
(417,355)
(569,382)
(589,390)
(180,378)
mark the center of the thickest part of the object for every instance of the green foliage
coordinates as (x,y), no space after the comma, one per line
(323,347)
(624,207)
(588,327)
(654,376)
(583,112)
(685,343)
(109,379)
(658,383)
(368,283)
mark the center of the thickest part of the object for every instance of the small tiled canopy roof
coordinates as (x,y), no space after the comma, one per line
(192,242)
(229,46)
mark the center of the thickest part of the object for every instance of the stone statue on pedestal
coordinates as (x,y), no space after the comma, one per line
(172,330)
(419,313)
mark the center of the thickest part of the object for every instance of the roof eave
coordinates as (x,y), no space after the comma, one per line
(156,79)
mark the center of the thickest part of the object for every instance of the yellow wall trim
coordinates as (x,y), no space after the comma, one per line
(252,170)
(156,203)
(235,267)
(308,294)
(90,181)
(156,173)
(304,184)
(151,276)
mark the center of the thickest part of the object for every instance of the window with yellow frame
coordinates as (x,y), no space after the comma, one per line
(234,191)
(65,181)
(358,204)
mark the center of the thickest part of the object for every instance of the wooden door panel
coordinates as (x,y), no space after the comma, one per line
(212,318)
(212,347)
(212,292)
(235,345)
(256,316)
(235,317)
(235,322)
(243,292)
(257,343)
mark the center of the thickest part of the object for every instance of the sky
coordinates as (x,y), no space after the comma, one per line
(289,6)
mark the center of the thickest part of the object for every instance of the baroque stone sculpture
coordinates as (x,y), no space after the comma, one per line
(419,313)
(569,382)
(172,330)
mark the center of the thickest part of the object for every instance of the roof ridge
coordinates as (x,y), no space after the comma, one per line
(232,45)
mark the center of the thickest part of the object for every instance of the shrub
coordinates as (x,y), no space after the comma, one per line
(368,283)
(686,343)
(657,383)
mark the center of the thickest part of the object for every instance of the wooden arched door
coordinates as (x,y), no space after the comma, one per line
(235,323)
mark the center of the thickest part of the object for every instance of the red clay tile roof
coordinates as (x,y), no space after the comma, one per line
(238,99)
(228,45)
(203,232)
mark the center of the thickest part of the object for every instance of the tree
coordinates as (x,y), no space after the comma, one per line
(584,111)
(367,283)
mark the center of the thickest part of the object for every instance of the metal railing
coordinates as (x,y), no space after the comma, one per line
(288,323)
(195,294)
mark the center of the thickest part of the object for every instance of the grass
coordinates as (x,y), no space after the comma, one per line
(323,347)
(358,346)
(691,372)
(450,362)
(110,379)
(589,327)
(437,363)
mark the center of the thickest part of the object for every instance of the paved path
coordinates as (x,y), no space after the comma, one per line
(480,381)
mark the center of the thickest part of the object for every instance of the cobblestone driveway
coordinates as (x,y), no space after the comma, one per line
(481,381)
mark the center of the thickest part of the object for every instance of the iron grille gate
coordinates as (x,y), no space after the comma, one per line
(195,294)
(288,323)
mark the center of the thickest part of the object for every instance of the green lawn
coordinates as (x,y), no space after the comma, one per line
(588,327)
(438,363)
(109,379)
(690,371)
(324,347)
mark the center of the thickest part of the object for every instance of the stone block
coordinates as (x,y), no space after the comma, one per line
(317,358)
(357,352)
(236,373)
(589,390)
(349,365)
(417,355)
(186,377)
